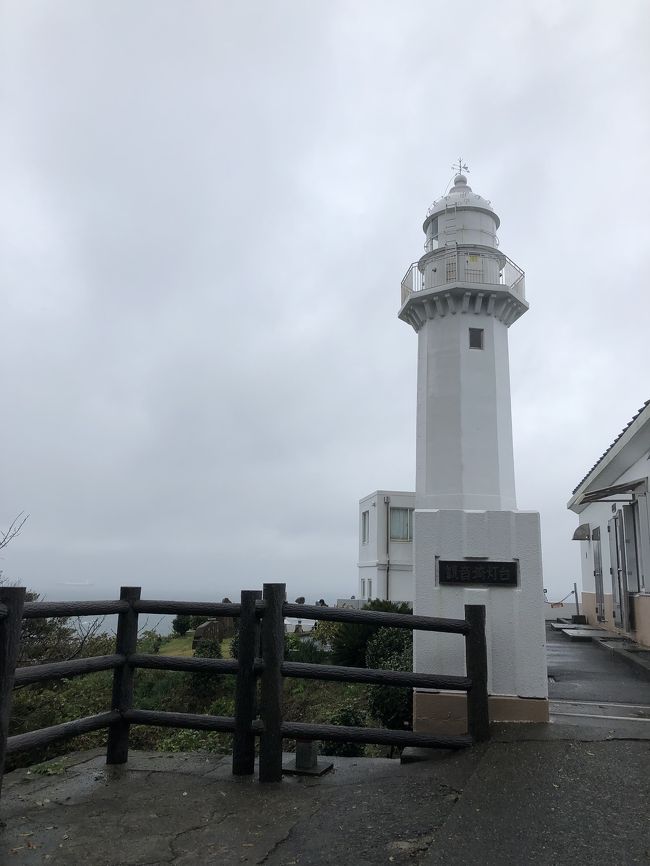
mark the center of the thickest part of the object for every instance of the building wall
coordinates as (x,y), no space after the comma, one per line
(375,554)
(599,514)
(642,618)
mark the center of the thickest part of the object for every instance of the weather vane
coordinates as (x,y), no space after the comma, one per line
(460,167)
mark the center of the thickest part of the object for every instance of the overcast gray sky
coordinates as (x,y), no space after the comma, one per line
(206,212)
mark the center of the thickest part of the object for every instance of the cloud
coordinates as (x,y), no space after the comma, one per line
(207,212)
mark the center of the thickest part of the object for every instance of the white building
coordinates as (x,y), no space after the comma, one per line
(386,545)
(614,533)
(469,543)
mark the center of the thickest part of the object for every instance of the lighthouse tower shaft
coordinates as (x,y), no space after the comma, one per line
(464,453)
(471,545)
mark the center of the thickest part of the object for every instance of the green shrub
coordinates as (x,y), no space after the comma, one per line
(159,690)
(324,631)
(350,641)
(205,686)
(351,716)
(391,649)
(298,649)
(181,624)
(234,643)
(149,642)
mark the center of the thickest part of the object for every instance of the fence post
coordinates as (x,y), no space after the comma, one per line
(243,748)
(117,751)
(478,713)
(271,683)
(13,599)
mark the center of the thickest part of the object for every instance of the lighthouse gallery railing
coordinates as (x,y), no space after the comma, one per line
(456,267)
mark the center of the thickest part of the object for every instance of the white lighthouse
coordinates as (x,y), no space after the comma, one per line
(471,544)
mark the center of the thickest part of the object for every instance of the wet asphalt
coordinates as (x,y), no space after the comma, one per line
(572,792)
(583,671)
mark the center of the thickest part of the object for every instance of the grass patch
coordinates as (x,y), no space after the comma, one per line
(178,646)
(182,646)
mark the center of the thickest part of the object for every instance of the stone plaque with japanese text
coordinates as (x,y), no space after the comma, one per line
(477,573)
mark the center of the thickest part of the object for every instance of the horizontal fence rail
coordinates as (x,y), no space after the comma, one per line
(260,657)
(377,736)
(42,609)
(63,670)
(194,608)
(192,721)
(336,673)
(182,663)
(376,617)
(45,736)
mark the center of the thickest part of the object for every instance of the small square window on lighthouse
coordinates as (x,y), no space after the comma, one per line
(476,338)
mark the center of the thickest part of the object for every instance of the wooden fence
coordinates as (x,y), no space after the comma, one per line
(261,655)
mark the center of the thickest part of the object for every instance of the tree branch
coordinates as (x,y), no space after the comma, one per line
(14,529)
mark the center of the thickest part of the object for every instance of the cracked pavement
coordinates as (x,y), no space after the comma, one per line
(537,794)
(187,809)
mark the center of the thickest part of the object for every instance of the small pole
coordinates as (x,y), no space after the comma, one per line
(13,598)
(478,712)
(243,749)
(575,595)
(117,751)
(271,683)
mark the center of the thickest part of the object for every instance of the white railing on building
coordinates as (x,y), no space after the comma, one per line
(413,281)
(513,277)
(459,266)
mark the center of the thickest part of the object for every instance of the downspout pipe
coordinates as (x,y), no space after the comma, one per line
(387,504)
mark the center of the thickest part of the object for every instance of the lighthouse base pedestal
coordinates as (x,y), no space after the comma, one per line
(445,713)
(492,558)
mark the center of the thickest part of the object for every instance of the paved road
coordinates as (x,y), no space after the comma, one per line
(584,672)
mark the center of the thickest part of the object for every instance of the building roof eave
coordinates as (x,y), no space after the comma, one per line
(598,475)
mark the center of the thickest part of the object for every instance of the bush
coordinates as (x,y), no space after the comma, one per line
(391,649)
(304,650)
(324,631)
(149,642)
(386,645)
(181,624)
(204,686)
(234,643)
(351,716)
(350,641)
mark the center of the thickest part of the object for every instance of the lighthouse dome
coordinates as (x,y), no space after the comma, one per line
(461,196)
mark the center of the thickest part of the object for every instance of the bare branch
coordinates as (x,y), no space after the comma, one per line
(14,529)
(145,626)
(86,633)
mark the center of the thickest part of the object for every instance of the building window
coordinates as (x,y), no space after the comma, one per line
(476,338)
(363,587)
(369,588)
(365,526)
(401,524)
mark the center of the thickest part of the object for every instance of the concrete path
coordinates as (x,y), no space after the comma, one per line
(564,795)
